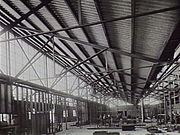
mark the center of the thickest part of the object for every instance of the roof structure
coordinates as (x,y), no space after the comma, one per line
(119,46)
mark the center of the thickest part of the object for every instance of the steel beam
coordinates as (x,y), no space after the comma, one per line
(32,44)
(161,78)
(167,54)
(125,69)
(25,16)
(109,73)
(96,2)
(97,46)
(68,33)
(30,62)
(108,21)
(79,21)
(59,78)
(78,60)
(37,43)
(18,82)
(169,66)
(69,69)
(81,60)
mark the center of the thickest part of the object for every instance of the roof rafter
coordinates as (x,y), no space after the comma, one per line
(50,28)
(97,46)
(80,21)
(108,41)
(25,16)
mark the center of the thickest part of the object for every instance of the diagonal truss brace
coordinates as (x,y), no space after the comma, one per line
(69,69)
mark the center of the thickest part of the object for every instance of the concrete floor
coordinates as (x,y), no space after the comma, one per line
(139,131)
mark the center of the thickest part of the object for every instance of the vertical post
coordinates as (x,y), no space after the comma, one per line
(165,104)
(26,107)
(77,107)
(48,109)
(165,108)
(22,101)
(87,93)
(96,99)
(175,117)
(9,55)
(61,103)
(51,108)
(104,100)
(170,103)
(170,106)
(54,58)
(174,97)
(46,70)
(35,101)
(6,60)
(42,102)
(142,110)
(65,102)
(65,108)
(67,83)
(78,87)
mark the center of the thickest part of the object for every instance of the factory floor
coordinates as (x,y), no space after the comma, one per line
(84,131)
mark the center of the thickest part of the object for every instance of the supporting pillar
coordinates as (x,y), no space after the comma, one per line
(78,87)
(65,103)
(65,108)
(9,54)
(142,110)
(165,108)
(170,103)
(46,70)
(170,106)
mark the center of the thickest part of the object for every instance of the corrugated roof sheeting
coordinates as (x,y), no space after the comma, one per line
(68,18)
(89,15)
(50,19)
(3,4)
(152,32)
(54,24)
(96,33)
(155,29)
(116,8)
(119,31)
(143,72)
(22,8)
(150,5)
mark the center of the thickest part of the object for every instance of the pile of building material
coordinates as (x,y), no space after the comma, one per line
(105,133)
(154,129)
